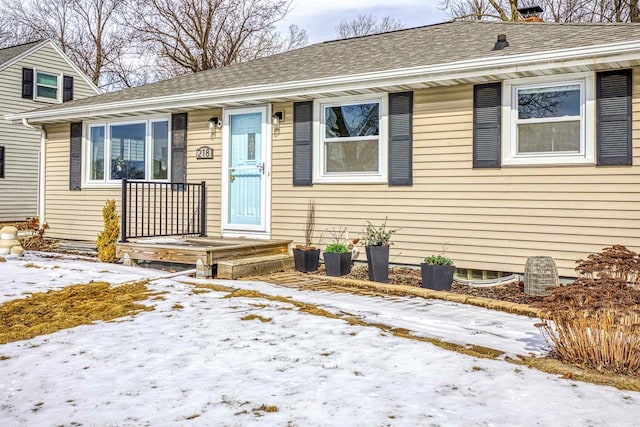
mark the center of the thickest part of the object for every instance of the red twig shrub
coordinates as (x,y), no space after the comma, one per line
(594,322)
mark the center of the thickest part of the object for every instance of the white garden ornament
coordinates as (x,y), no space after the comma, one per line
(9,243)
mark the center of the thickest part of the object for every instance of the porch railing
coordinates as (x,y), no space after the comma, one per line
(155,209)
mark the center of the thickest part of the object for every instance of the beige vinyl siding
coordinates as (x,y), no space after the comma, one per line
(71,214)
(19,188)
(489,219)
(208,170)
(78,214)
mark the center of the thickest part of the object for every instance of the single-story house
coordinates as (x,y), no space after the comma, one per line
(32,75)
(493,140)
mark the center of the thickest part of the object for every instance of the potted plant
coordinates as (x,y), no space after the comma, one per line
(437,272)
(307,256)
(337,259)
(338,255)
(377,241)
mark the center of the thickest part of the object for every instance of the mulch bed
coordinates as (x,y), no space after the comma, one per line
(512,292)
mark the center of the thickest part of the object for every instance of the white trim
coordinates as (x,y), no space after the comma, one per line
(42,176)
(319,176)
(262,230)
(530,62)
(510,157)
(59,89)
(107,181)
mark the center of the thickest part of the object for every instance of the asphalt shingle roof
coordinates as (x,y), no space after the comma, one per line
(9,53)
(423,46)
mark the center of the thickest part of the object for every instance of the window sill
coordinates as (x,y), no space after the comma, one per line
(549,161)
(360,179)
(48,100)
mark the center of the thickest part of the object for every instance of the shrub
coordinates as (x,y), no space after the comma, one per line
(594,322)
(438,260)
(35,240)
(337,248)
(107,239)
(377,236)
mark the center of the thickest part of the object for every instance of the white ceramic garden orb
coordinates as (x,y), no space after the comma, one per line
(8,232)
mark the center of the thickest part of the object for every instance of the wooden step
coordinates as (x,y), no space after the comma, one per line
(253,266)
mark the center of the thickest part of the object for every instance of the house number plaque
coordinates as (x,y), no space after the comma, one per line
(204,152)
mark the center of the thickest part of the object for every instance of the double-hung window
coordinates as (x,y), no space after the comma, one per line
(549,121)
(133,150)
(352,140)
(47,86)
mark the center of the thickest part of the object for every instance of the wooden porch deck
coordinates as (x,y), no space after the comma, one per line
(220,257)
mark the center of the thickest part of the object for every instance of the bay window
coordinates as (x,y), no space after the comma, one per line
(133,150)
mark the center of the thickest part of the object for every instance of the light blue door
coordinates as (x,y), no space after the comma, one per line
(246,171)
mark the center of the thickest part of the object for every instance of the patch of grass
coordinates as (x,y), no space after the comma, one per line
(191,417)
(200,291)
(47,312)
(3,357)
(567,371)
(177,306)
(266,408)
(31,265)
(217,288)
(256,317)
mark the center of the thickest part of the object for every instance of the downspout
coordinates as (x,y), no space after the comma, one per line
(41,171)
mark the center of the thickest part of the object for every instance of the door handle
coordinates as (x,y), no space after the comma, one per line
(232,177)
(261,168)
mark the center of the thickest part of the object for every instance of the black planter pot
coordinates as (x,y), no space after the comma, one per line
(337,264)
(306,261)
(438,277)
(378,263)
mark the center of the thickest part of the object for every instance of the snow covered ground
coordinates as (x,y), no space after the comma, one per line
(202,365)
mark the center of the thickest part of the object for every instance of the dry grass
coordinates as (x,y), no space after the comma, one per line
(256,317)
(48,312)
(266,408)
(604,340)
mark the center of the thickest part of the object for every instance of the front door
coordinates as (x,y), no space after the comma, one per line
(246,141)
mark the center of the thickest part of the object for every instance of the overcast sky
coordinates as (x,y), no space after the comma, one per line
(320,17)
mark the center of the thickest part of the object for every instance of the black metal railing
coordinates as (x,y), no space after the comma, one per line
(154,209)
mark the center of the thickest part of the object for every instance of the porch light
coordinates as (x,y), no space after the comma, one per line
(215,122)
(276,118)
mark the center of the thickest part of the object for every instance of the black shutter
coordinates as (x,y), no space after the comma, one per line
(27,83)
(67,88)
(75,157)
(302,143)
(613,118)
(1,162)
(487,125)
(179,148)
(401,138)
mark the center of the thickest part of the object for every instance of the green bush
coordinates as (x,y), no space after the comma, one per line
(337,248)
(377,236)
(438,260)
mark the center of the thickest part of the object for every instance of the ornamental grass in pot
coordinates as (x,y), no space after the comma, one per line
(306,257)
(437,272)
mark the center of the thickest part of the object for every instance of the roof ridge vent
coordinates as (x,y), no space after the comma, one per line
(501,43)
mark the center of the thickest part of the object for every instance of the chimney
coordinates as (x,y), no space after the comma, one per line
(501,43)
(531,14)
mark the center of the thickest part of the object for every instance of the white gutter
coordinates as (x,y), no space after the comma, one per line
(583,56)
(41,172)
